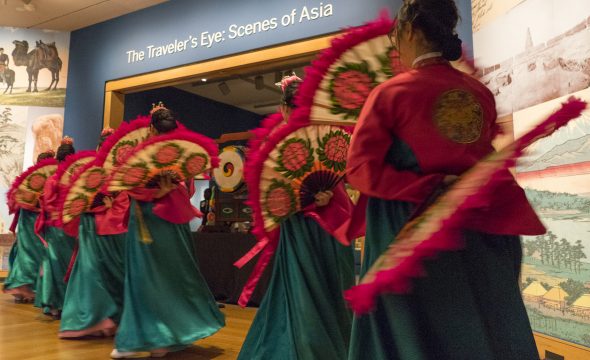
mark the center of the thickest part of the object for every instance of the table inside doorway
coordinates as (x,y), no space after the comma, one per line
(216,253)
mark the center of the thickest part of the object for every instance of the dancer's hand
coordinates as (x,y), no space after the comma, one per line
(108,202)
(450,179)
(323,198)
(166,185)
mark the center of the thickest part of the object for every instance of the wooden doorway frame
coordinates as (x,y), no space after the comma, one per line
(286,54)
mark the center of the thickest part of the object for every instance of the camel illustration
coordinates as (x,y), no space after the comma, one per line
(44,56)
(9,75)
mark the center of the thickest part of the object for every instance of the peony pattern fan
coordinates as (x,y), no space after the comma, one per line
(72,164)
(341,78)
(310,159)
(82,191)
(121,144)
(182,154)
(28,187)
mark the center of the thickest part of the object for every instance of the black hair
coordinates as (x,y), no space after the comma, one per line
(289,94)
(207,193)
(163,121)
(102,139)
(437,20)
(63,151)
(45,155)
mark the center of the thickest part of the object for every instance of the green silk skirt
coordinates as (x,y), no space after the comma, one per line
(94,295)
(12,254)
(54,267)
(303,314)
(28,254)
(467,307)
(167,303)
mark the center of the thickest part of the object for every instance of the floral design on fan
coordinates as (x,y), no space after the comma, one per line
(350,86)
(122,150)
(94,179)
(36,182)
(333,148)
(167,154)
(195,164)
(295,157)
(280,200)
(26,196)
(77,206)
(72,170)
(135,175)
(390,62)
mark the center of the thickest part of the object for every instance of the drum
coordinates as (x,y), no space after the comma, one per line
(229,176)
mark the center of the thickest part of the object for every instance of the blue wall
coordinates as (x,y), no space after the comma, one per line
(99,53)
(205,116)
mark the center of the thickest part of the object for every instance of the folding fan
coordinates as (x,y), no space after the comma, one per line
(28,187)
(182,154)
(82,192)
(436,229)
(72,164)
(308,160)
(121,143)
(340,79)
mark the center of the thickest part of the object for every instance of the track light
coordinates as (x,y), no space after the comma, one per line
(259,82)
(224,88)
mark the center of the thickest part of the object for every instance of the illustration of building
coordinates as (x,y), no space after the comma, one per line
(581,306)
(534,292)
(555,298)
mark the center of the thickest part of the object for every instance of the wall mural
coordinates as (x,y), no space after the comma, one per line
(33,78)
(533,57)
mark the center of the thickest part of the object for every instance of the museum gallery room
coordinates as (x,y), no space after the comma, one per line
(295,180)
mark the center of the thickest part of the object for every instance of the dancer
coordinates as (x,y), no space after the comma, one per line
(303,314)
(94,296)
(24,271)
(167,304)
(417,132)
(59,245)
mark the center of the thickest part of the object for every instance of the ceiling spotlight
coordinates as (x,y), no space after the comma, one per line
(224,88)
(204,80)
(259,82)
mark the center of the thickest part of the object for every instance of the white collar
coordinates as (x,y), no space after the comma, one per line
(429,55)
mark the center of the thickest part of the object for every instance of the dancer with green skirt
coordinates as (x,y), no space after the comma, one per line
(60,246)
(416,134)
(28,251)
(167,304)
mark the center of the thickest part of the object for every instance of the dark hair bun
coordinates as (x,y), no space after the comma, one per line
(163,121)
(437,19)
(63,151)
(289,94)
(451,48)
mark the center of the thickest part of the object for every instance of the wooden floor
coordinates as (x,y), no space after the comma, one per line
(27,334)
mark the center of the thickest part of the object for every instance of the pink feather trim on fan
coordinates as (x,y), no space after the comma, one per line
(71,159)
(179,134)
(19,179)
(122,131)
(62,197)
(320,67)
